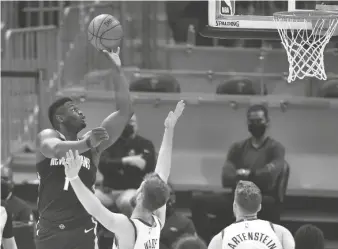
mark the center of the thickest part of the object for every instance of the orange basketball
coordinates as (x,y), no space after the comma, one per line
(105,32)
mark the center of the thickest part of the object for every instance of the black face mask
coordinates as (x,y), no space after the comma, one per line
(257,130)
(128,131)
(6,189)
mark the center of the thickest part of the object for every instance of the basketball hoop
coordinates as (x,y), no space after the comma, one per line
(304,35)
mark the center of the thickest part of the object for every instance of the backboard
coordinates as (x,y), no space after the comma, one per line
(237,19)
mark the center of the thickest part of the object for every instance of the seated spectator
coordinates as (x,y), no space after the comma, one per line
(164,83)
(123,166)
(309,237)
(176,225)
(7,239)
(259,159)
(240,86)
(190,242)
(21,212)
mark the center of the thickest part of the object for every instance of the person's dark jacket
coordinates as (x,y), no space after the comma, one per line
(242,155)
(21,211)
(120,177)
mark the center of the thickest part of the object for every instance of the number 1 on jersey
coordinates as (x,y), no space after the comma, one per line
(65,187)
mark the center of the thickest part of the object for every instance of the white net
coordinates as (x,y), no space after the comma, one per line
(304,35)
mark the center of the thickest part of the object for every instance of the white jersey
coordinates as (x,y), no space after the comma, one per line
(250,234)
(147,236)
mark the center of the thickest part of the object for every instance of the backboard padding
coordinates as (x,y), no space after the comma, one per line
(254,19)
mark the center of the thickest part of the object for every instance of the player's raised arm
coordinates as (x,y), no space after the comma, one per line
(50,144)
(116,223)
(115,122)
(163,165)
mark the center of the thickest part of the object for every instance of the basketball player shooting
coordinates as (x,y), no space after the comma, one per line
(248,232)
(142,230)
(63,222)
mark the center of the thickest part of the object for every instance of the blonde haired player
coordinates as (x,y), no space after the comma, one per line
(142,230)
(248,232)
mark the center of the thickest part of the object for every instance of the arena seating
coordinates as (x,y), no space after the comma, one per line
(189,81)
(198,81)
(231,59)
(241,86)
(164,83)
(189,67)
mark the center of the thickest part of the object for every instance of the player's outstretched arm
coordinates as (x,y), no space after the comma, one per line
(216,242)
(51,146)
(163,165)
(285,237)
(115,122)
(116,223)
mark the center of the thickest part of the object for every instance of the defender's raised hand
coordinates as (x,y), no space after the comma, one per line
(114,56)
(73,164)
(172,118)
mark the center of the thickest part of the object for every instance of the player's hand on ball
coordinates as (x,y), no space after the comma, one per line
(73,164)
(114,56)
(172,118)
(97,136)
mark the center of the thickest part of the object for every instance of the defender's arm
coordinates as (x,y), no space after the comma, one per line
(116,223)
(163,165)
